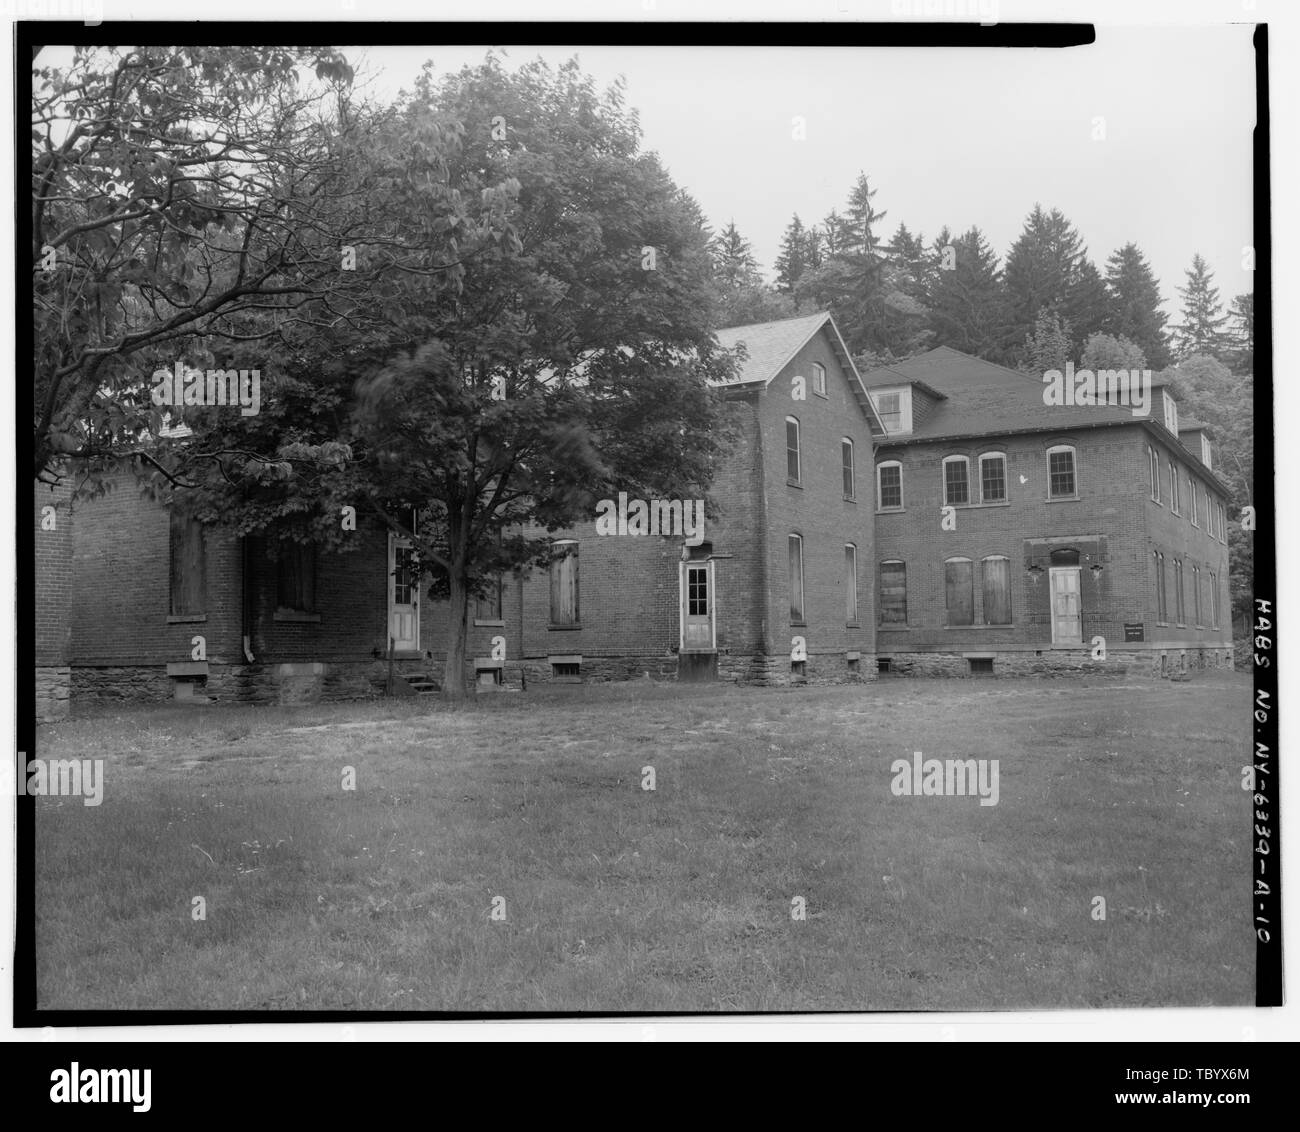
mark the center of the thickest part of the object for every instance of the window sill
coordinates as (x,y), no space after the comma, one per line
(553,628)
(793,483)
(1063,499)
(849,499)
(890,510)
(980,628)
(298,616)
(798,624)
(489,624)
(853,625)
(186,618)
(977,506)
(896,628)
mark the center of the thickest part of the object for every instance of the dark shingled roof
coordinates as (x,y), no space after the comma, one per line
(769,346)
(981,399)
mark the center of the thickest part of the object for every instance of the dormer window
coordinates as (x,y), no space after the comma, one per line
(894,407)
(1205,451)
(1171,413)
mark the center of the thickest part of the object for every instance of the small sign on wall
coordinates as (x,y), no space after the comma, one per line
(1134,631)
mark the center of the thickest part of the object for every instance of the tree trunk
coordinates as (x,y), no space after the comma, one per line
(453,680)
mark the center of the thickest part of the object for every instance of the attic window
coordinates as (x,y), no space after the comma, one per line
(894,407)
(1171,413)
(1205,451)
(819,379)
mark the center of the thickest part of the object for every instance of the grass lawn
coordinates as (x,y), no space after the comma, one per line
(620,898)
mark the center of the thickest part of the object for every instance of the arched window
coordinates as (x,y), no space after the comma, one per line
(796,579)
(1155,473)
(792,462)
(889,485)
(564,582)
(956,480)
(850,584)
(893,592)
(1061,477)
(993,477)
(846,464)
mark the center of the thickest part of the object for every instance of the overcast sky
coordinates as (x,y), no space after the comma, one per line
(956,137)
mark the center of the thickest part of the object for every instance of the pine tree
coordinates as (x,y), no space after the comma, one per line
(860,220)
(1201,331)
(908,253)
(734,265)
(793,259)
(1086,306)
(1133,302)
(967,305)
(1242,314)
(1044,270)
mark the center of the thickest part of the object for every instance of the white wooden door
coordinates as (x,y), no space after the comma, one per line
(1067,624)
(403,595)
(698,605)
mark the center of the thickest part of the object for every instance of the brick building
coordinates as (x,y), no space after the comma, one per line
(775,587)
(1015,535)
(936,516)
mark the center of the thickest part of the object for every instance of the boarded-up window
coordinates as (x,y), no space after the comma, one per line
(796,578)
(564,584)
(959,586)
(851,584)
(893,593)
(996,577)
(188,567)
(296,578)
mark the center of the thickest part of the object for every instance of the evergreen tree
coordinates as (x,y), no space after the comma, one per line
(792,261)
(1086,306)
(907,252)
(1044,271)
(1201,331)
(1242,314)
(734,265)
(967,304)
(1133,301)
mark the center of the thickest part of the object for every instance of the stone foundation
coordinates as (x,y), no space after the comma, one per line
(53,694)
(1062,662)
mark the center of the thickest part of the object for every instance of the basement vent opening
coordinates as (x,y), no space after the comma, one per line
(853,664)
(488,676)
(981,666)
(883,665)
(797,667)
(566,670)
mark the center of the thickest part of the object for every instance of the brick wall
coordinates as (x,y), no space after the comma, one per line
(1113,524)
(817,510)
(53,600)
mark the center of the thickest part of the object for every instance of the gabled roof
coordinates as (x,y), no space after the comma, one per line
(985,399)
(770,346)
